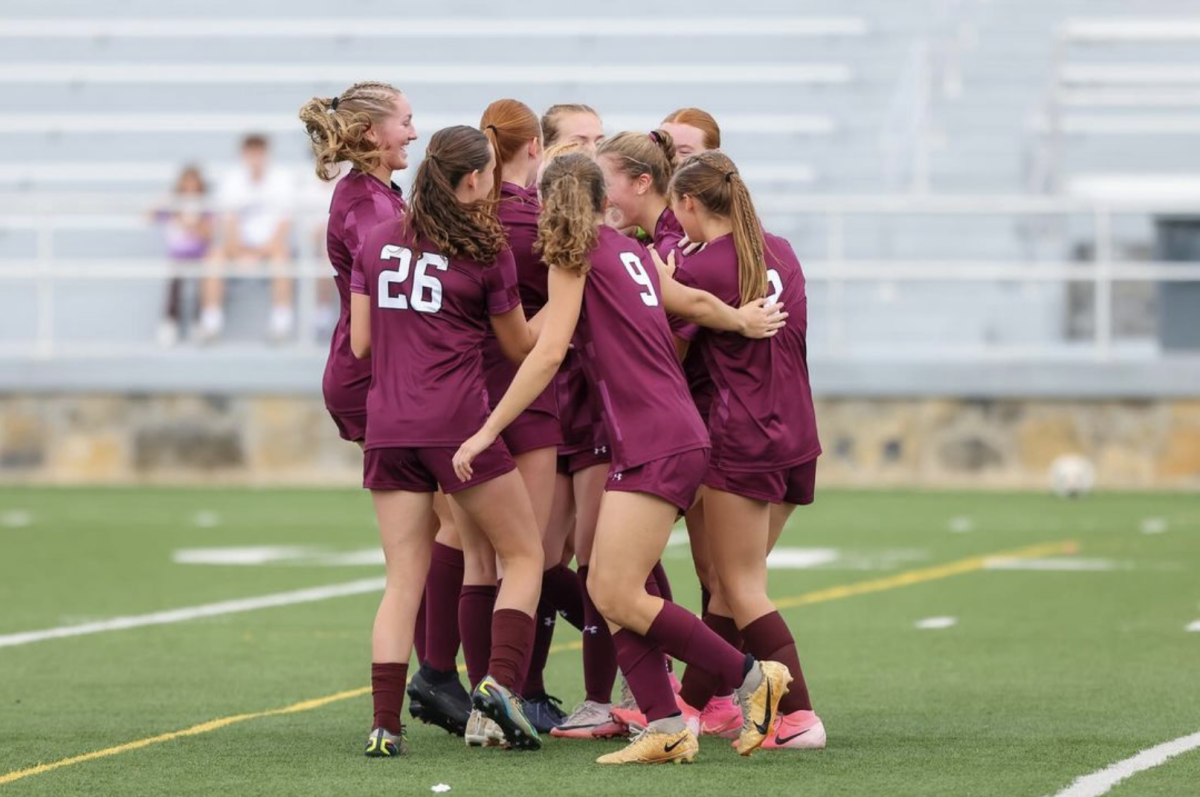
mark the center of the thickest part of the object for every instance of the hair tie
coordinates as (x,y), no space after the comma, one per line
(654,136)
(729,175)
(493,128)
(333,104)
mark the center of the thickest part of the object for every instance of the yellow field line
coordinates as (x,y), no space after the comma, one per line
(905,579)
(910,577)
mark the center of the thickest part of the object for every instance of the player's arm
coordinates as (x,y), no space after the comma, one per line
(752,320)
(360,325)
(539,367)
(514,334)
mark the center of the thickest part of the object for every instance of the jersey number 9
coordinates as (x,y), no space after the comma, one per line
(425,295)
(633,264)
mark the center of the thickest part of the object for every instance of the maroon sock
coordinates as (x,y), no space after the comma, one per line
(442,589)
(475,607)
(387,689)
(419,631)
(768,639)
(562,586)
(705,599)
(698,687)
(641,661)
(599,654)
(539,652)
(654,588)
(680,633)
(664,585)
(512,636)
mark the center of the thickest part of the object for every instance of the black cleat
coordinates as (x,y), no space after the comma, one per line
(445,704)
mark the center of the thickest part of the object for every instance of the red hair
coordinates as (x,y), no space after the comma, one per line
(701,120)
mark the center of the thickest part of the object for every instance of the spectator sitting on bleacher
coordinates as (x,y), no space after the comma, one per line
(255,202)
(188,230)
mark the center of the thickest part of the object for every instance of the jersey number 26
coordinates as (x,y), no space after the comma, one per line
(425,295)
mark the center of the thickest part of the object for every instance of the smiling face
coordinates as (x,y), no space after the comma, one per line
(688,140)
(625,194)
(393,133)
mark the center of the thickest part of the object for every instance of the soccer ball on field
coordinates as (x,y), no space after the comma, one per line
(1072,476)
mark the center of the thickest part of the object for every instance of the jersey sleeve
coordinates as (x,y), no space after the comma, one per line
(358,275)
(681,328)
(501,284)
(363,216)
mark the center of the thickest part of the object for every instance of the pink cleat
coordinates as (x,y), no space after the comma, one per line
(675,684)
(800,730)
(632,719)
(721,717)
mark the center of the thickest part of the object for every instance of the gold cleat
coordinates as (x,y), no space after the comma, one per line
(652,747)
(761,706)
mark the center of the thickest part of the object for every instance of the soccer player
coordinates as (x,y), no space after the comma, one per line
(637,170)
(693,131)
(424,288)
(761,423)
(533,439)
(601,288)
(572,123)
(370,125)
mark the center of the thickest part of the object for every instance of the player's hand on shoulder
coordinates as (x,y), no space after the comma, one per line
(666,270)
(762,320)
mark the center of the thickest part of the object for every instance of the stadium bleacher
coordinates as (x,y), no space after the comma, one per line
(812,103)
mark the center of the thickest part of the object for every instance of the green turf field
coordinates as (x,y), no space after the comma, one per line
(1055,666)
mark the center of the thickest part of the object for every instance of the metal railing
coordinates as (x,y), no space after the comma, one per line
(48,216)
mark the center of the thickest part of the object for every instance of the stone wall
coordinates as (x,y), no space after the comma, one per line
(868,442)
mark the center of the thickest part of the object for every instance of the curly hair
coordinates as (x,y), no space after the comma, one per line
(337,126)
(458,229)
(572,190)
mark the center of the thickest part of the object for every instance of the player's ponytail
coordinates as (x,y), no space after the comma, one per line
(509,125)
(572,191)
(457,229)
(337,126)
(712,179)
(636,154)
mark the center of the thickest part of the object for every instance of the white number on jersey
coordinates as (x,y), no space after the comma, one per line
(776,284)
(637,271)
(426,292)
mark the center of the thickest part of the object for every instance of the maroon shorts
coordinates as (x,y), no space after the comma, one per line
(532,430)
(571,464)
(421,470)
(795,485)
(351,426)
(676,478)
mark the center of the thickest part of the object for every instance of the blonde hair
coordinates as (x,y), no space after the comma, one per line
(563,148)
(642,153)
(712,179)
(554,113)
(435,212)
(509,125)
(701,120)
(337,126)
(572,190)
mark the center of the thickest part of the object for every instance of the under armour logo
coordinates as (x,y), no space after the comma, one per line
(548,621)
(591,629)
(600,450)
(617,476)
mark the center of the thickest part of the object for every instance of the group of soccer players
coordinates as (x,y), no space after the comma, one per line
(557,345)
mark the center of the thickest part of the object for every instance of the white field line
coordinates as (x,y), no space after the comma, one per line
(1103,781)
(936,623)
(1194,626)
(309,595)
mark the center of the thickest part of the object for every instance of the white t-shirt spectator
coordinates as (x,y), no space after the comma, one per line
(260,205)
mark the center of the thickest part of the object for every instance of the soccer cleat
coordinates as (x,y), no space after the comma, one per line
(482,732)
(759,707)
(653,747)
(721,717)
(632,720)
(584,722)
(676,685)
(800,730)
(384,744)
(446,705)
(505,709)
(544,712)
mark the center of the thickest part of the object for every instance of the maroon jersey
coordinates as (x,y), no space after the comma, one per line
(629,357)
(429,317)
(762,417)
(360,203)
(667,234)
(518,212)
